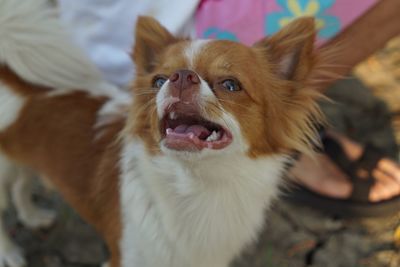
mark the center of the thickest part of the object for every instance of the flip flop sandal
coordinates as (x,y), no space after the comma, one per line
(360,174)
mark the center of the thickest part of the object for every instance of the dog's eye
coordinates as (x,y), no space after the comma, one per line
(159,81)
(231,85)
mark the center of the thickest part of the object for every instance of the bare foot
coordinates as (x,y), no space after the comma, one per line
(323,176)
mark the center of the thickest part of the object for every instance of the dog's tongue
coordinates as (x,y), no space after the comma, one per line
(198,130)
(194,138)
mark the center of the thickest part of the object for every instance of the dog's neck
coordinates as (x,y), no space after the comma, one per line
(181,214)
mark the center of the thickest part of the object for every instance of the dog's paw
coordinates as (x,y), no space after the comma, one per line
(38,218)
(12,256)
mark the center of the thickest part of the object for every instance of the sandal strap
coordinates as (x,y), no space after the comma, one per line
(361,189)
(336,153)
(360,171)
(370,158)
(362,178)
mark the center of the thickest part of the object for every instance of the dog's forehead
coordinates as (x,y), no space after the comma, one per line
(201,54)
(194,50)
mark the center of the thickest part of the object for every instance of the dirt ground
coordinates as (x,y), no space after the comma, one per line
(295,236)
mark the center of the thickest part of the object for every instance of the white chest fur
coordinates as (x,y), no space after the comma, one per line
(180,214)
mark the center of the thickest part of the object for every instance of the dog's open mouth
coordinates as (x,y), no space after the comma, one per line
(193,133)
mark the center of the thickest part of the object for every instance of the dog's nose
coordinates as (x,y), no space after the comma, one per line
(184,79)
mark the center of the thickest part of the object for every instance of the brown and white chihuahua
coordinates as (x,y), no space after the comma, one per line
(183,179)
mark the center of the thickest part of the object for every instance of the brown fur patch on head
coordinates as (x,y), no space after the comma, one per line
(151,38)
(293,113)
(276,108)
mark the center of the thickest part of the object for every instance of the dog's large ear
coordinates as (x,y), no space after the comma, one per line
(291,49)
(150,40)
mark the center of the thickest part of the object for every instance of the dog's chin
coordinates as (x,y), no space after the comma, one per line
(183,134)
(193,155)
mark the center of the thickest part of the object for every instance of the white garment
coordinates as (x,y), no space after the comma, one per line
(105,29)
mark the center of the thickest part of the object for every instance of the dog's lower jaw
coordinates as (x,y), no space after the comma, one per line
(175,215)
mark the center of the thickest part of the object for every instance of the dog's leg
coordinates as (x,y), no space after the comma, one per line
(10,254)
(28,213)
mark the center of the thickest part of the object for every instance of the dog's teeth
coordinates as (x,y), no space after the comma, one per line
(212,137)
(191,135)
(169,131)
(218,135)
(172,115)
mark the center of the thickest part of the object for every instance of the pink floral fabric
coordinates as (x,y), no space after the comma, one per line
(249,20)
